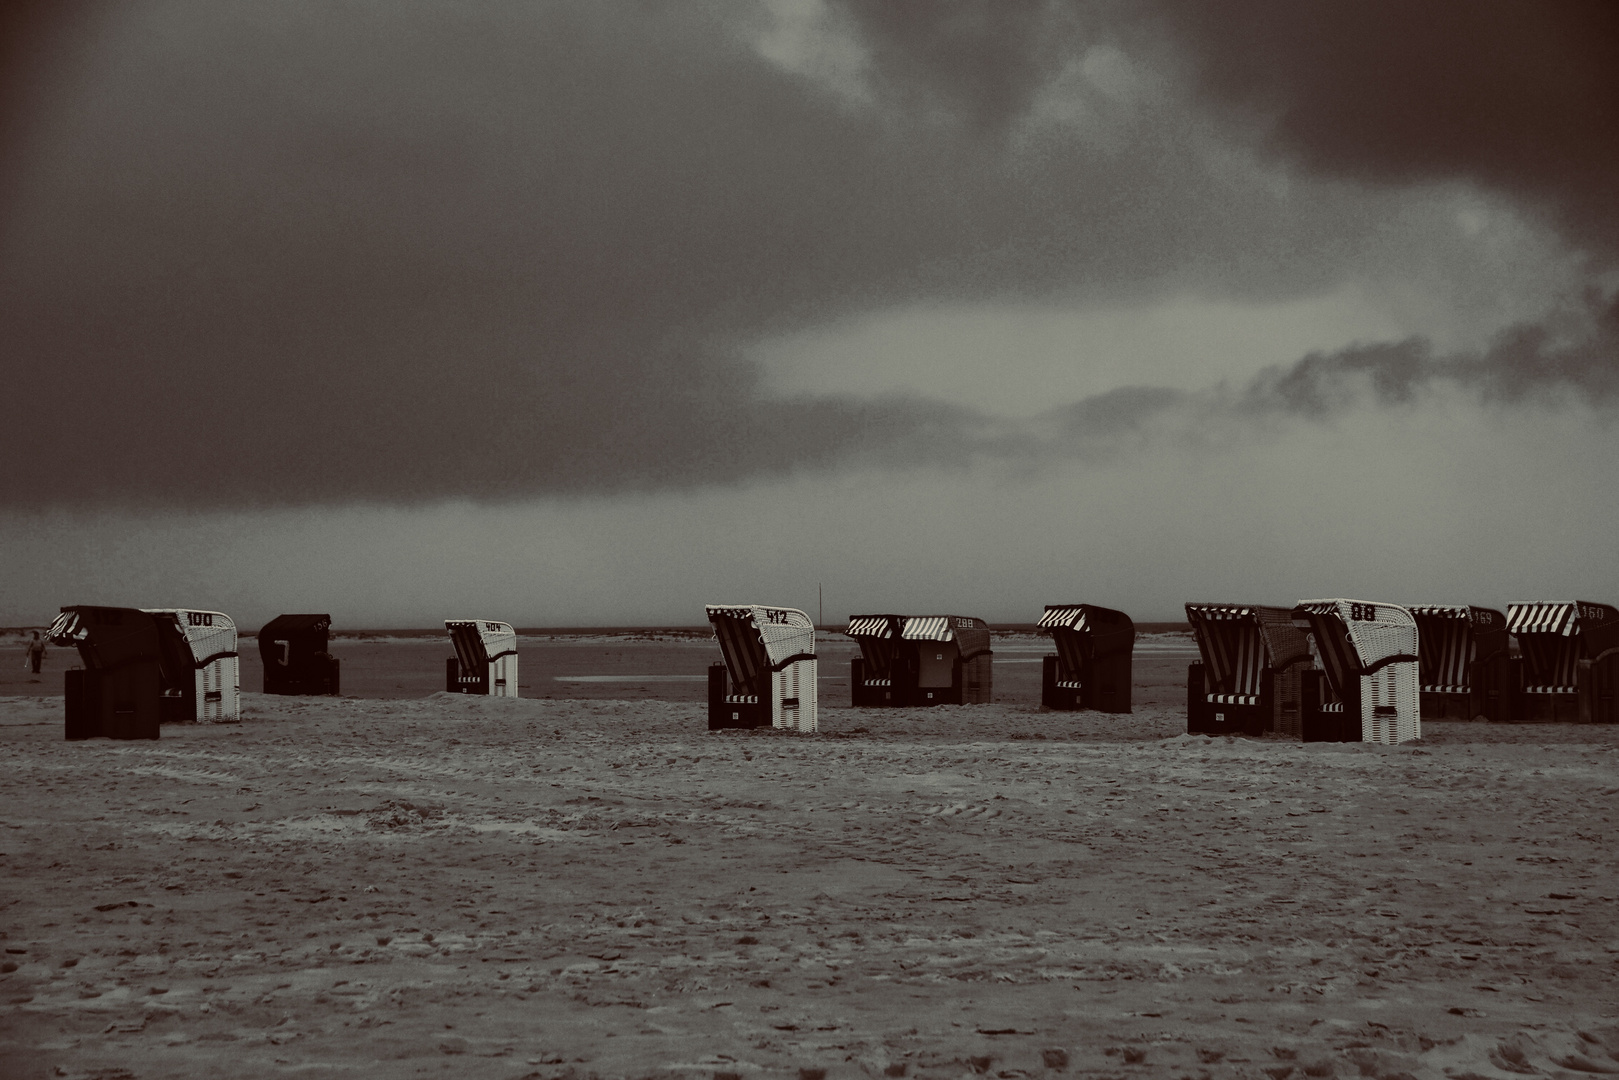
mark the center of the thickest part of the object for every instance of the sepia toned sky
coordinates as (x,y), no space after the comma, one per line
(590,313)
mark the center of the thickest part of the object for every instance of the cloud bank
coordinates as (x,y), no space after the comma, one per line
(292,255)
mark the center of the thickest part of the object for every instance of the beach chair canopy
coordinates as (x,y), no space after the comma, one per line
(1239,641)
(1556,635)
(209,635)
(970,635)
(480,642)
(107,638)
(305,635)
(1357,637)
(1085,632)
(756,640)
(1451,638)
(876,635)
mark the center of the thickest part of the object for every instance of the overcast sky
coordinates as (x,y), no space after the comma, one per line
(591,313)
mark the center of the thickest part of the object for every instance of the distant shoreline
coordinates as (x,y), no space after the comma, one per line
(700,631)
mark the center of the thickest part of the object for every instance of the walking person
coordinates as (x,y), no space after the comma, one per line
(36,653)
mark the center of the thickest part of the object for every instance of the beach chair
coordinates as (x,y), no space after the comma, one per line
(1366,687)
(293,649)
(1249,676)
(202,675)
(118,693)
(485,660)
(1091,667)
(1464,665)
(1570,663)
(877,676)
(769,669)
(946,660)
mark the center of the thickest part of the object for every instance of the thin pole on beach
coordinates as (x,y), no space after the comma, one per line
(820,606)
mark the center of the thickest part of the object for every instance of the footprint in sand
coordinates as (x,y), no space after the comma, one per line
(962,810)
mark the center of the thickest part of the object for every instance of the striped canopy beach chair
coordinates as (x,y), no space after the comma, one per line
(202,673)
(1091,668)
(1247,681)
(1464,664)
(949,658)
(118,693)
(876,676)
(1570,662)
(485,660)
(1366,689)
(769,670)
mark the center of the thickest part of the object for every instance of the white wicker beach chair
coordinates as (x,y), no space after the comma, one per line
(485,660)
(209,687)
(1368,655)
(769,670)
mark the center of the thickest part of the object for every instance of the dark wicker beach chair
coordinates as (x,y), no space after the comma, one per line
(950,659)
(118,692)
(878,675)
(769,670)
(1570,664)
(1091,668)
(294,651)
(1366,687)
(1249,676)
(1464,666)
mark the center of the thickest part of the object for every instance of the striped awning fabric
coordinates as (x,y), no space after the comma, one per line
(1541,617)
(927,628)
(1220,611)
(1440,611)
(880,626)
(67,630)
(1234,652)
(1063,616)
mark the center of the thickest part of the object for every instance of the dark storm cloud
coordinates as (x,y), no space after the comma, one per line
(295,253)
(1522,98)
(31,45)
(312,253)
(1519,99)
(988,59)
(1526,363)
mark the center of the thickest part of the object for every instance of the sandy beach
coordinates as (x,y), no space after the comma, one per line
(555,888)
